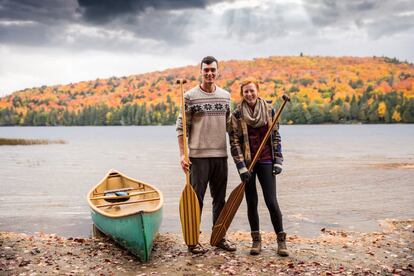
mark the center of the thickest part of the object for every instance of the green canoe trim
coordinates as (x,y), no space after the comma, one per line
(135,233)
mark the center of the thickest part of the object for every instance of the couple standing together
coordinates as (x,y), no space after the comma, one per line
(207,108)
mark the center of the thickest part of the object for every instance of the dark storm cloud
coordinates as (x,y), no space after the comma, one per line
(47,22)
(148,19)
(97,11)
(34,23)
(42,11)
(103,11)
(116,24)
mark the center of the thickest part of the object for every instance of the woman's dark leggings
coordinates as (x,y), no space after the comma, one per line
(268,182)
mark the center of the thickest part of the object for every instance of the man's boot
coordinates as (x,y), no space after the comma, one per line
(281,244)
(197,249)
(226,245)
(257,243)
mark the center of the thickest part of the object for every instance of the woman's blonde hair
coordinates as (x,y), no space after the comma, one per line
(246,82)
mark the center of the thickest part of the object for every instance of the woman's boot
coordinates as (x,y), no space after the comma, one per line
(257,243)
(281,244)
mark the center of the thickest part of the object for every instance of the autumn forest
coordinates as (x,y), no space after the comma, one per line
(322,90)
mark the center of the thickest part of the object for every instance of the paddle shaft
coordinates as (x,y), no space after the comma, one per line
(184,123)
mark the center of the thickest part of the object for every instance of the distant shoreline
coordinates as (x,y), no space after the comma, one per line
(282,124)
(28,142)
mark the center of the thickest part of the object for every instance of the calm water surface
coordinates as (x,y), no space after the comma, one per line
(334,176)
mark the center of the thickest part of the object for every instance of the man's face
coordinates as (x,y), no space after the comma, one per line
(209,72)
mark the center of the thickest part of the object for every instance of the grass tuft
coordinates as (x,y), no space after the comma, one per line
(15,142)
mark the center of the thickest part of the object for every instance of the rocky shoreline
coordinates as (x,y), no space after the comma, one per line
(335,252)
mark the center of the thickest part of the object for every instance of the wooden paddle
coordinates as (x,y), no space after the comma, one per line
(236,196)
(189,206)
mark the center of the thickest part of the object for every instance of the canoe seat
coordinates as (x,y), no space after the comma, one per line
(119,196)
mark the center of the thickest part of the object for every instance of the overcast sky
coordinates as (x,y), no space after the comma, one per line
(47,42)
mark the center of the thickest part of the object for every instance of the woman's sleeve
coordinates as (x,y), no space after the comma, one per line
(277,143)
(236,144)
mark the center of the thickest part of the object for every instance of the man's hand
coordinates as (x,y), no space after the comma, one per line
(185,164)
(245,176)
(277,168)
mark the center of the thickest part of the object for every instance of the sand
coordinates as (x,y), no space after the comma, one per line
(334,252)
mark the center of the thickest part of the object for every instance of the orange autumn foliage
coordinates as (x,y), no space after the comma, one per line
(318,79)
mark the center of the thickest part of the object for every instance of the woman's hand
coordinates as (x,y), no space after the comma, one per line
(277,168)
(245,176)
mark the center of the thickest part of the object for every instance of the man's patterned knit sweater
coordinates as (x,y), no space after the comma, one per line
(208,119)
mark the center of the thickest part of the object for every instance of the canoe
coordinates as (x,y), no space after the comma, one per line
(127,210)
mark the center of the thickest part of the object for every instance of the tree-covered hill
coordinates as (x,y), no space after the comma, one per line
(322,89)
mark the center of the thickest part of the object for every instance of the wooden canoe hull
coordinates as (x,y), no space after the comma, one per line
(135,233)
(132,221)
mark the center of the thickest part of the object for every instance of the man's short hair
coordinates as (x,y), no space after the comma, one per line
(208,60)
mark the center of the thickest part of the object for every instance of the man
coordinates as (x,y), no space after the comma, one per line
(207,111)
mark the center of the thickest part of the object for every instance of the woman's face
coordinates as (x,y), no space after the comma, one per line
(250,94)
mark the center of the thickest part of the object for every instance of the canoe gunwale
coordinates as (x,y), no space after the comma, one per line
(102,212)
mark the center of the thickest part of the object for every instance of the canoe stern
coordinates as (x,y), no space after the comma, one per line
(135,233)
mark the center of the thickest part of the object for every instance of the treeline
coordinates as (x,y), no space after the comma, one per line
(102,115)
(370,107)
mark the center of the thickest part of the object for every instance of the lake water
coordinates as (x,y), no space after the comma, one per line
(337,176)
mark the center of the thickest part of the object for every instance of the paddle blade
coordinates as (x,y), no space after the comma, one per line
(190,215)
(227,214)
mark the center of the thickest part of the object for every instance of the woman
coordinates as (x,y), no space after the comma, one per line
(249,124)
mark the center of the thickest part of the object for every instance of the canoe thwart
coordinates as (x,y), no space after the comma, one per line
(117,190)
(128,202)
(125,196)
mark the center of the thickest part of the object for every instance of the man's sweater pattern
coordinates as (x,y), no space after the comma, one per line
(207,122)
